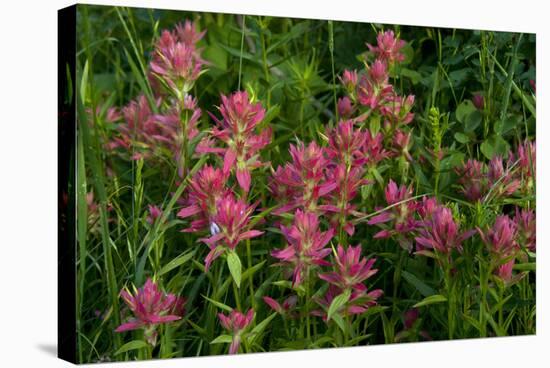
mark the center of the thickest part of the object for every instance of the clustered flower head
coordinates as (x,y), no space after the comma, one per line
(236,323)
(441,233)
(388,47)
(150,307)
(501,242)
(285,309)
(237,130)
(306,245)
(372,96)
(499,178)
(176,63)
(304,180)
(229,227)
(206,189)
(400,215)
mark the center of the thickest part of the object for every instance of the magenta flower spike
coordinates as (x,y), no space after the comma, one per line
(527,229)
(400,215)
(228,227)
(479,101)
(501,238)
(441,233)
(283,309)
(237,129)
(306,245)
(350,269)
(304,178)
(500,178)
(345,107)
(374,88)
(154,213)
(388,47)
(358,303)
(206,188)
(345,144)
(236,323)
(150,307)
(137,130)
(177,62)
(472,176)
(341,208)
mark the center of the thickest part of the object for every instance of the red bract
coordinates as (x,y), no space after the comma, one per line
(345,144)
(401,215)
(236,129)
(345,107)
(374,89)
(347,184)
(358,303)
(138,130)
(236,323)
(176,62)
(373,149)
(388,47)
(478,101)
(176,126)
(284,309)
(397,111)
(350,269)
(306,245)
(501,180)
(154,213)
(349,80)
(472,178)
(304,178)
(526,162)
(150,307)
(441,233)
(206,188)
(527,229)
(501,238)
(229,227)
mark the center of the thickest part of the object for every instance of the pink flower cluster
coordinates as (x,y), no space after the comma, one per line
(150,307)
(237,131)
(236,323)
(499,178)
(505,240)
(176,63)
(209,200)
(350,273)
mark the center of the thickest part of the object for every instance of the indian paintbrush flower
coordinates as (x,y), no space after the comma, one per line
(150,307)
(237,129)
(231,227)
(306,245)
(236,323)
(206,188)
(388,47)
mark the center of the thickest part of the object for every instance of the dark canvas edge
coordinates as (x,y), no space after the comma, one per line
(66,134)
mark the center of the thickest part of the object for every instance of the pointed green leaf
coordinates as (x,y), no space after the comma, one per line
(431,300)
(132,345)
(338,303)
(235,267)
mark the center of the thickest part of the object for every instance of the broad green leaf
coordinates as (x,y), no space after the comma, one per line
(176,262)
(235,267)
(338,303)
(462,138)
(132,345)
(339,322)
(432,299)
(463,110)
(494,145)
(222,339)
(472,121)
